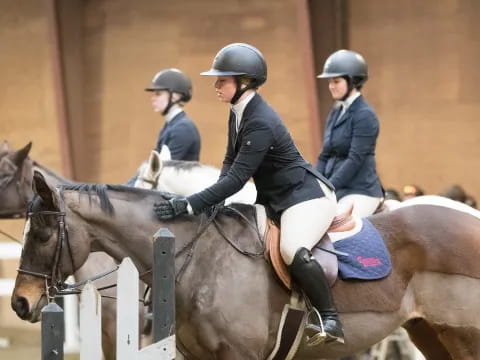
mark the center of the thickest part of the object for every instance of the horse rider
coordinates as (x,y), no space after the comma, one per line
(179,138)
(410,191)
(260,146)
(347,157)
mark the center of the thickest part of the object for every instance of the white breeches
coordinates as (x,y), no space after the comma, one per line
(363,205)
(304,224)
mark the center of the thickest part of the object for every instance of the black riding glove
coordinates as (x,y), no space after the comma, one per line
(168,209)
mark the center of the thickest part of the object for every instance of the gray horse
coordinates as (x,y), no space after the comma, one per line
(229,304)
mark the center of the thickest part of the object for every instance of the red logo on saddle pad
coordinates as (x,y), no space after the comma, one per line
(371,261)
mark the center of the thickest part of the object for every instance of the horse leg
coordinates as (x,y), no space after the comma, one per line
(426,340)
(463,343)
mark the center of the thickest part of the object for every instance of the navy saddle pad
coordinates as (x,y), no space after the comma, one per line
(368,257)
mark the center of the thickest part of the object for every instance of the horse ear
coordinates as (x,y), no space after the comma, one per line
(4,148)
(18,157)
(42,189)
(155,162)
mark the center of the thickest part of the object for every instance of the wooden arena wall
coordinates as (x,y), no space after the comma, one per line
(423,59)
(100,54)
(73,74)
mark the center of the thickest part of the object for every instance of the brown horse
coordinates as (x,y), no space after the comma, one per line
(16,174)
(229,304)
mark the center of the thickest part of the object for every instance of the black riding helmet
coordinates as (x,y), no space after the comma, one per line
(240,60)
(349,65)
(174,81)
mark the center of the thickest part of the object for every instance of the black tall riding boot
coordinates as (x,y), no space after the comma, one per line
(309,275)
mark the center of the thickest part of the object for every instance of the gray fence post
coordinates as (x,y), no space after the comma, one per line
(163,285)
(52,332)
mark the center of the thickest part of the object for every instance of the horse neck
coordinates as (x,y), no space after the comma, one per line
(126,233)
(187,181)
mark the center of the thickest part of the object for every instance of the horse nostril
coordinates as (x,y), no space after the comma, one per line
(20,306)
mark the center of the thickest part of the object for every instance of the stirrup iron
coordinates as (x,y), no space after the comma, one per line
(320,336)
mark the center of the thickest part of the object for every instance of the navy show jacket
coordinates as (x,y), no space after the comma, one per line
(347,158)
(182,138)
(262,149)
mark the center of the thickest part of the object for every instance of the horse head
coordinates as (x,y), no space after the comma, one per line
(47,255)
(15,181)
(149,172)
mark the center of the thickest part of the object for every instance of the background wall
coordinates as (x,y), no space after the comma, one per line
(423,60)
(421,57)
(125,43)
(72,75)
(27,99)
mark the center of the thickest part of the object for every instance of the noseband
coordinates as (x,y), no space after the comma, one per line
(54,283)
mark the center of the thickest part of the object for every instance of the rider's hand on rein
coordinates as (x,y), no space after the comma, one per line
(166,210)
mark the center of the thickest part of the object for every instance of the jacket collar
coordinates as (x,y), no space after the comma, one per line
(175,118)
(252,105)
(348,113)
(247,112)
(239,108)
(174,111)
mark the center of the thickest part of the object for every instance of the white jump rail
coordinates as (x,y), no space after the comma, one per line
(127,321)
(127,312)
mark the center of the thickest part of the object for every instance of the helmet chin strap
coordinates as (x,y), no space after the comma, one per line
(349,89)
(239,92)
(170,103)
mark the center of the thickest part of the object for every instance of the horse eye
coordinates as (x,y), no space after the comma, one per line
(43,235)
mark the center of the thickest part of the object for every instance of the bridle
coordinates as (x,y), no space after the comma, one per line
(54,282)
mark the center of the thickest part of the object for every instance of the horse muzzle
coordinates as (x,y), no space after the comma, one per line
(25,310)
(28,299)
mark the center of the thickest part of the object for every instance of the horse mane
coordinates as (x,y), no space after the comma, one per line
(181,164)
(101,192)
(97,190)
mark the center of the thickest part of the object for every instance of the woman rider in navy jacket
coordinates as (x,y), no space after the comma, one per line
(347,158)
(179,138)
(260,146)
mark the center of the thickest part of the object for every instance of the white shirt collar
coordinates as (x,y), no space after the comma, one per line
(349,101)
(174,111)
(239,108)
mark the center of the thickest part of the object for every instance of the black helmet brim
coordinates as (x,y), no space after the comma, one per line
(156,88)
(330,75)
(215,72)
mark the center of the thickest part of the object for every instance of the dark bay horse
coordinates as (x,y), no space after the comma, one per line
(229,304)
(16,175)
